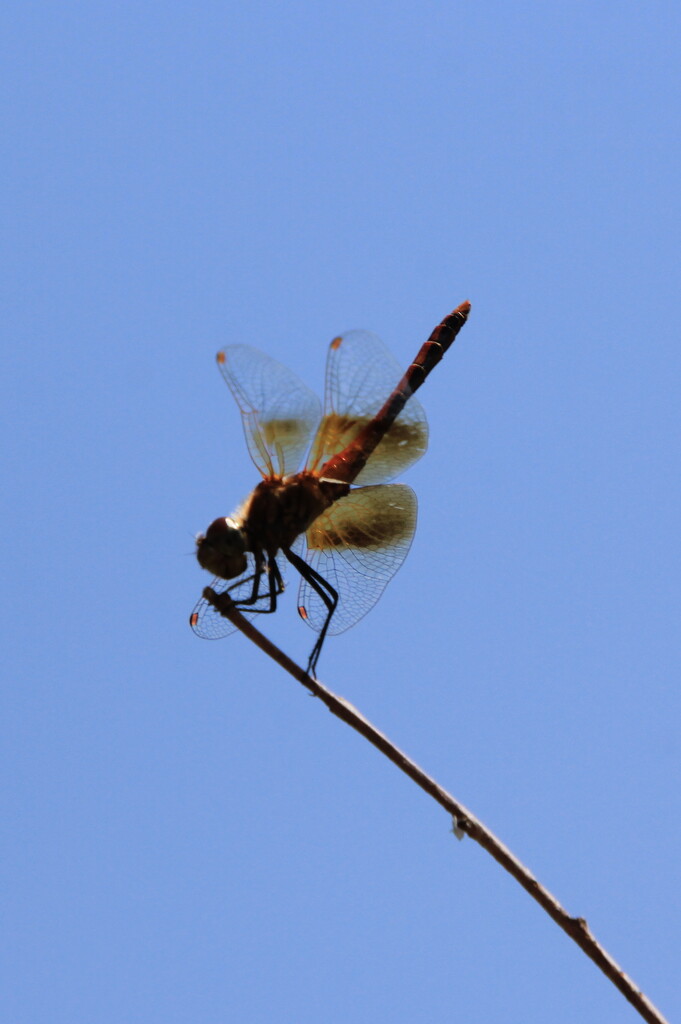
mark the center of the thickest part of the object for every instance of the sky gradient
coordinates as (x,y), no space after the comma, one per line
(186,835)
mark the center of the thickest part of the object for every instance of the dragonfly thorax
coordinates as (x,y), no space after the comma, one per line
(222,549)
(281,508)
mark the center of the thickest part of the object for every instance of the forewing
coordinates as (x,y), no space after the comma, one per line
(206,620)
(361,374)
(358,545)
(279,413)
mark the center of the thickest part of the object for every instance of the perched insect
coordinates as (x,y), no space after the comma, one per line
(345,542)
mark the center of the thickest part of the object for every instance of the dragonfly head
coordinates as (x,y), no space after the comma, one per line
(222,549)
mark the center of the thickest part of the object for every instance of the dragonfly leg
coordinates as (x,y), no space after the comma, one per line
(254,579)
(276,584)
(328,595)
(223,602)
(274,589)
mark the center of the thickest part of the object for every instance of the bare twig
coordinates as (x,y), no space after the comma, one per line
(463,820)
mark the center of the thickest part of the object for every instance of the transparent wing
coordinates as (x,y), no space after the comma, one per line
(279,413)
(358,545)
(361,374)
(206,620)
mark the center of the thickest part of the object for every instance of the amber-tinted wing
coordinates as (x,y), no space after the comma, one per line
(361,374)
(358,545)
(279,413)
(207,622)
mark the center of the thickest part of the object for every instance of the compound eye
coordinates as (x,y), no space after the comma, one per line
(222,550)
(220,528)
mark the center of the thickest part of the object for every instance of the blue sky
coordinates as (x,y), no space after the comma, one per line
(186,835)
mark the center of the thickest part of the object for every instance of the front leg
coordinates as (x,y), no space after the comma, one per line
(223,601)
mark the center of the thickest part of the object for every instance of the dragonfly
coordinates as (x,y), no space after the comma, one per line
(339,521)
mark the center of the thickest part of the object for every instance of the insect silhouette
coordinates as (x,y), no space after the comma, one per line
(346,542)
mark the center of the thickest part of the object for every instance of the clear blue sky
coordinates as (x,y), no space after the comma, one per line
(186,835)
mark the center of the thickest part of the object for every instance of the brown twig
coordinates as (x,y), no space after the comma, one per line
(464,822)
